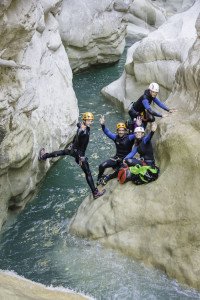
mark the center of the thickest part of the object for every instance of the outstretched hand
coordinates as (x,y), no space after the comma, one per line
(171,111)
(102,120)
(138,121)
(153,127)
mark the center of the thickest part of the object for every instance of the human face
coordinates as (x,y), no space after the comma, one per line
(139,135)
(88,122)
(153,94)
(121,132)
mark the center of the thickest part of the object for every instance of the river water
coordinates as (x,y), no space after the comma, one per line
(37,245)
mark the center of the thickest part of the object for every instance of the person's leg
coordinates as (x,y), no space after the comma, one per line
(133,161)
(88,175)
(110,163)
(148,118)
(43,155)
(116,170)
(133,113)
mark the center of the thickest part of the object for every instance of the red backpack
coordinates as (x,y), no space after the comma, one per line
(124,175)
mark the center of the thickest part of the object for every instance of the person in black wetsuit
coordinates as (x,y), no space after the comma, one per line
(142,107)
(77,149)
(123,142)
(142,146)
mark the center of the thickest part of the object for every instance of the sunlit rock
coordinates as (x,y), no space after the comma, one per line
(156,58)
(38,107)
(93,32)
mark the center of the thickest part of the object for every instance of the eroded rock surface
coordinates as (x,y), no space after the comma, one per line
(156,58)
(93,32)
(159,223)
(38,107)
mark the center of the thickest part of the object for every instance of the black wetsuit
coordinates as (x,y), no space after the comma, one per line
(123,147)
(145,149)
(142,107)
(77,149)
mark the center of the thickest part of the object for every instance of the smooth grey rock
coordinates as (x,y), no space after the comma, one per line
(156,58)
(100,37)
(38,106)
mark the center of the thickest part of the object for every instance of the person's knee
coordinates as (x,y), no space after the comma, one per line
(103,165)
(128,161)
(150,118)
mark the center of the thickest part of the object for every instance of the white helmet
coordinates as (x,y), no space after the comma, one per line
(139,129)
(154,87)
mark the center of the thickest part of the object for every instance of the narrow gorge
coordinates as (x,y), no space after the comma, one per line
(50,239)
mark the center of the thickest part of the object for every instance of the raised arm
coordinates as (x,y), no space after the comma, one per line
(107,132)
(149,136)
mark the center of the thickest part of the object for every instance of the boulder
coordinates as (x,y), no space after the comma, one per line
(92,32)
(143,17)
(38,106)
(156,58)
(158,223)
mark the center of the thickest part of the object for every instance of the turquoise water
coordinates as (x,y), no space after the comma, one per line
(37,244)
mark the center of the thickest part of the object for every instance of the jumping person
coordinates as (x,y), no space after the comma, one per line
(77,149)
(123,143)
(142,146)
(142,107)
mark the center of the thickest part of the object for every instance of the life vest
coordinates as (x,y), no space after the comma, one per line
(138,105)
(123,146)
(146,150)
(81,140)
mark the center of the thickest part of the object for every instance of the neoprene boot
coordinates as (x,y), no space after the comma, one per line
(98,194)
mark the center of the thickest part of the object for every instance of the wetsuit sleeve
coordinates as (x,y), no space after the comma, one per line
(160,104)
(132,153)
(147,106)
(107,132)
(148,137)
(80,131)
(131,137)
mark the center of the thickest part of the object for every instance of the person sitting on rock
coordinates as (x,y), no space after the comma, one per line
(142,146)
(123,142)
(77,149)
(142,107)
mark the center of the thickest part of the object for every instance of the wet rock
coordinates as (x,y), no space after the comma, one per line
(19,288)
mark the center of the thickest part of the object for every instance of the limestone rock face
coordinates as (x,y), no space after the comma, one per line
(93,31)
(172,7)
(158,223)
(143,17)
(13,287)
(156,58)
(38,107)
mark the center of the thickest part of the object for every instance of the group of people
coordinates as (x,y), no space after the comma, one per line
(129,140)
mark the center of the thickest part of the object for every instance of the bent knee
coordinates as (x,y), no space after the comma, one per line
(128,161)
